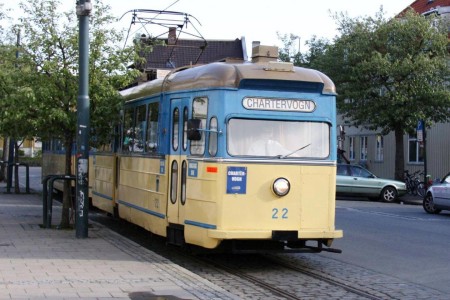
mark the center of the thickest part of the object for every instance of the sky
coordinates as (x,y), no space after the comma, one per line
(251,19)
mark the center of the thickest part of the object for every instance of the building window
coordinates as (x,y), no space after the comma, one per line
(363,148)
(379,151)
(351,149)
(415,150)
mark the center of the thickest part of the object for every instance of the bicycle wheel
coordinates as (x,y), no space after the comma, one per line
(409,188)
(414,188)
(421,189)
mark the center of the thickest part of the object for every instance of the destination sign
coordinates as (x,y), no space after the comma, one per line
(297,105)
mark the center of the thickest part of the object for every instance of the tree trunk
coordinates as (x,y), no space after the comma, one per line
(4,159)
(67,192)
(399,154)
(16,168)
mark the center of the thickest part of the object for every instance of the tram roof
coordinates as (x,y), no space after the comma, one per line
(225,75)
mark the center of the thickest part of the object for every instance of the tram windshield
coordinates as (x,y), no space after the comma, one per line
(278,138)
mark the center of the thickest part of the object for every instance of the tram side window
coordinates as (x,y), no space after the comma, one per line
(134,126)
(175,124)
(152,128)
(185,128)
(128,130)
(140,129)
(199,111)
(213,136)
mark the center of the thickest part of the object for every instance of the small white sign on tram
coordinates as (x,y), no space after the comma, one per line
(279,104)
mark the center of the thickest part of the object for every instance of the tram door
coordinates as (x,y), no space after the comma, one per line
(178,160)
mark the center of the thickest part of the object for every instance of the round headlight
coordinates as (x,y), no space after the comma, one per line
(281,186)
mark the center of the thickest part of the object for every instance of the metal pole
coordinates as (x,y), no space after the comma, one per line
(84,8)
(425,155)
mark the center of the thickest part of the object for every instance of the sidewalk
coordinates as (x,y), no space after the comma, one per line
(410,199)
(38,263)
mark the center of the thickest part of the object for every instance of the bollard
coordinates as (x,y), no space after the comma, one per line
(27,175)
(44,198)
(47,197)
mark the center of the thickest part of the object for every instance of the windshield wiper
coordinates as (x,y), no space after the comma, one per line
(289,154)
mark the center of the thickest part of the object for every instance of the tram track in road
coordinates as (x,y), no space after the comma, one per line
(271,276)
(207,266)
(238,286)
(331,280)
(276,291)
(249,276)
(300,279)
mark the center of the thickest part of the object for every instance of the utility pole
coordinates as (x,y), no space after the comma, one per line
(425,167)
(84,8)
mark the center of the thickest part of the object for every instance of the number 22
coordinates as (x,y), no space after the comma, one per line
(284,213)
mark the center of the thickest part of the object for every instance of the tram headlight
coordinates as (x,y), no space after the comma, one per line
(281,186)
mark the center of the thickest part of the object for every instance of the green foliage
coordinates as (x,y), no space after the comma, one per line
(289,52)
(390,73)
(32,161)
(40,87)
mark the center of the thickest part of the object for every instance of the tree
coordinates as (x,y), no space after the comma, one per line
(48,76)
(390,74)
(314,58)
(10,93)
(290,53)
(5,82)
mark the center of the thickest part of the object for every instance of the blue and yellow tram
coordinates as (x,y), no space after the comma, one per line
(234,155)
(53,163)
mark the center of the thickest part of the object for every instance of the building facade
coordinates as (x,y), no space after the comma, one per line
(376,152)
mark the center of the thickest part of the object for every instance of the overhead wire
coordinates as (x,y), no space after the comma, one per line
(162,18)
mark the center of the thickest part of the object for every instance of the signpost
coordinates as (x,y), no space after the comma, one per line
(420,128)
(422,138)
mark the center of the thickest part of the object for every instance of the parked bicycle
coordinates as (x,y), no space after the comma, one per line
(413,184)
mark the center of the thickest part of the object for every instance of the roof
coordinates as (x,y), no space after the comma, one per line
(191,52)
(424,6)
(225,75)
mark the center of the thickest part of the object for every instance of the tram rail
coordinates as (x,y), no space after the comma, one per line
(293,272)
(270,276)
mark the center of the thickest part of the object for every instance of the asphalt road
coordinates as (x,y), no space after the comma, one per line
(398,240)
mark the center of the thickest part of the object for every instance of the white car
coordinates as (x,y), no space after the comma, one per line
(437,197)
(354,180)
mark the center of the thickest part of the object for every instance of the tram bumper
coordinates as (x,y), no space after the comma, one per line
(273,234)
(278,240)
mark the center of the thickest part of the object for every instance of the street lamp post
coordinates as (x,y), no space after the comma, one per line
(84,8)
